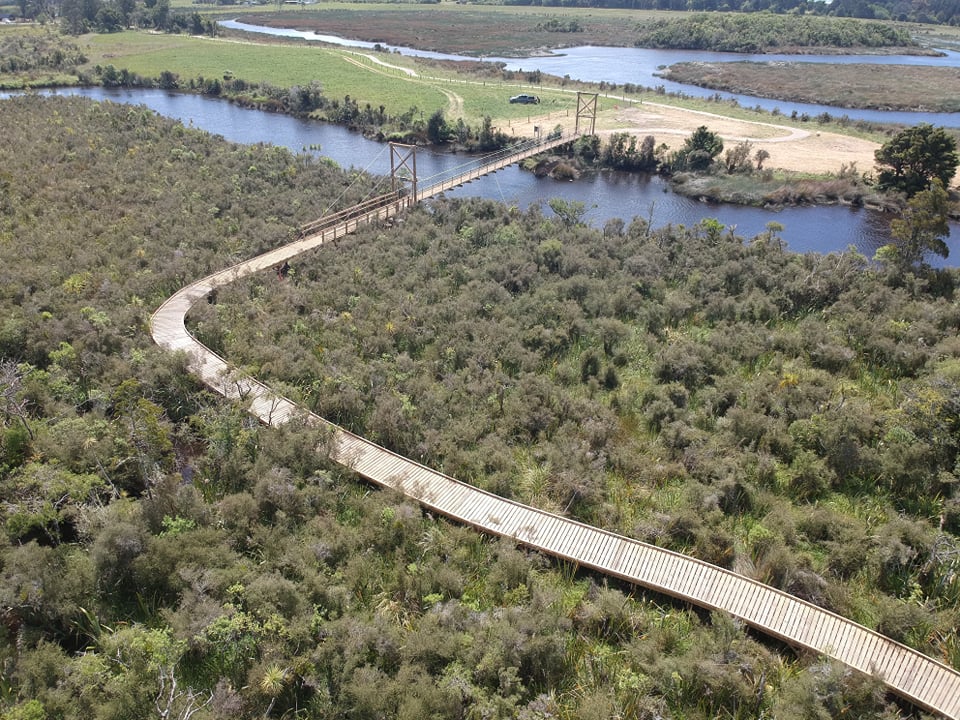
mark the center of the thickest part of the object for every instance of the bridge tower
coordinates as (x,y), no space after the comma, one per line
(587,111)
(403,166)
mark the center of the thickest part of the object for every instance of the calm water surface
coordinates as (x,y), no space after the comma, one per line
(606,195)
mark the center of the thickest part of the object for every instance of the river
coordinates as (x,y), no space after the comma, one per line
(605,195)
(640,66)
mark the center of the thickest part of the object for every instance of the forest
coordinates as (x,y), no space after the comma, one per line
(792,417)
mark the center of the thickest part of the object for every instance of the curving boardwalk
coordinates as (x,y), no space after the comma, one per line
(910,674)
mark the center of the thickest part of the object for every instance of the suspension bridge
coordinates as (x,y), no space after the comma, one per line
(403,171)
(920,679)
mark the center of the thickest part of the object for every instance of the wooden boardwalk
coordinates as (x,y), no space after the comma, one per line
(910,674)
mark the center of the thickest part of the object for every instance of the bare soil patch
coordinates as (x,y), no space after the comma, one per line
(804,151)
(885,87)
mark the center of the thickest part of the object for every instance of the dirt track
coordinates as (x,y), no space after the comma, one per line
(799,150)
(810,150)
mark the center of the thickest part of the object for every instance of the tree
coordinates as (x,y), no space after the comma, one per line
(109,18)
(13,403)
(272,684)
(923,226)
(570,212)
(161,13)
(699,150)
(914,157)
(73,17)
(437,130)
(648,154)
(760,157)
(737,159)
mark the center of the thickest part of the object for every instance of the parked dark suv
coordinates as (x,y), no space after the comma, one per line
(525,99)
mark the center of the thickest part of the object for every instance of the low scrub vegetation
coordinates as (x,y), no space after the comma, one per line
(681,385)
(37,57)
(778,189)
(791,417)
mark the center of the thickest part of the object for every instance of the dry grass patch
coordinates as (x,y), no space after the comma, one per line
(887,87)
(511,31)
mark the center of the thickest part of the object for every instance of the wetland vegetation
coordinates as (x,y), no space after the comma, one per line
(792,417)
(884,87)
(787,416)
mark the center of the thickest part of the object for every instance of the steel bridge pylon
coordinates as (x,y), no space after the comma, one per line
(403,158)
(586,111)
(403,166)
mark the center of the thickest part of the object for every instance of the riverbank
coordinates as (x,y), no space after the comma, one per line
(398,82)
(773,190)
(809,145)
(373,79)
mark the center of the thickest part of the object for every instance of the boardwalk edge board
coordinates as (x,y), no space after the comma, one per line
(929,684)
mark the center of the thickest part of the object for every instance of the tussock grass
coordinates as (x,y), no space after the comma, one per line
(932,89)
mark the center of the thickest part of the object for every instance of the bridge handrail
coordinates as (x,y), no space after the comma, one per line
(360,208)
(491,163)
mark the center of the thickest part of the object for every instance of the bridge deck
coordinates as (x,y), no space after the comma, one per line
(496,163)
(912,675)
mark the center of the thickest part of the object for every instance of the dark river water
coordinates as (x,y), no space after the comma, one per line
(605,195)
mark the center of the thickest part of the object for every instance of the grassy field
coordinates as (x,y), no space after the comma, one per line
(279,65)
(461,89)
(386,80)
(897,87)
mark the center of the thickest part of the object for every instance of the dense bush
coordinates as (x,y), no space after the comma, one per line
(752,33)
(43,51)
(161,553)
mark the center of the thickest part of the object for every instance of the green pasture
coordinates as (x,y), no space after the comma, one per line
(350,72)
(279,65)
(340,73)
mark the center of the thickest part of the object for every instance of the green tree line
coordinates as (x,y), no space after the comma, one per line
(752,33)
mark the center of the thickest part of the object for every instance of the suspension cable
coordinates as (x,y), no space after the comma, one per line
(364,172)
(482,160)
